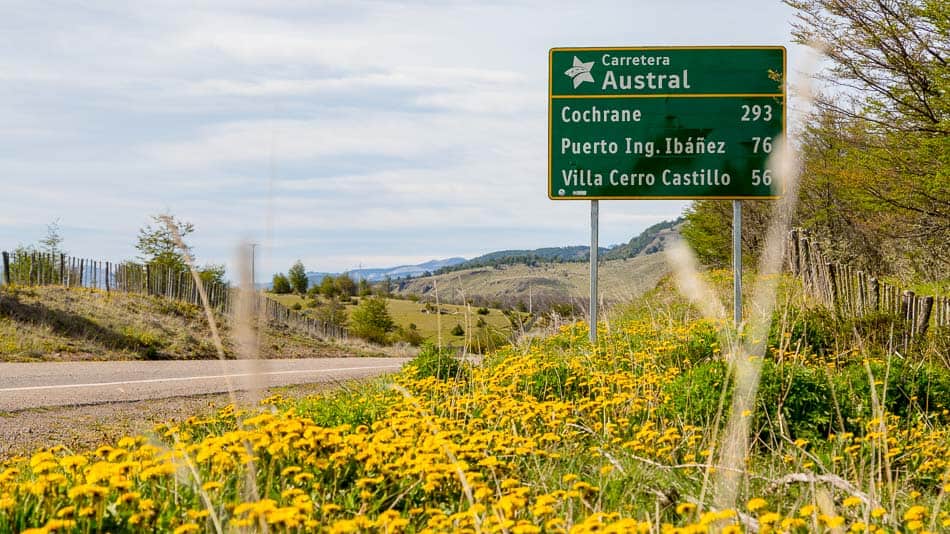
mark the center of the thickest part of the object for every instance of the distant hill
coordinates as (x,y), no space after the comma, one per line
(653,239)
(538,287)
(524,257)
(377,274)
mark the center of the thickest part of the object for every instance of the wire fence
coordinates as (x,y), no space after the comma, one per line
(33,268)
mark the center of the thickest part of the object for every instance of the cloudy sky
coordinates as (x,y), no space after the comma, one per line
(341,133)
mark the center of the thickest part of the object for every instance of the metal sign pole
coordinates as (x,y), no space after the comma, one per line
(593,271)
(737,261)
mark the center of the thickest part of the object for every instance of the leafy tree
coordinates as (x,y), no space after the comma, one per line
(371,320)
(297,276)
(52,243)
(328,287)
(280,284)
(880,144)
(708,229)
(333,312)
(364,288)
(345,285)
(212,273)
(157,243)
(875,156)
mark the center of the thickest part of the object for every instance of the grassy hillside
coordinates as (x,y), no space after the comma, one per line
(551,436)
(405,312)
(55,323)
(511,285)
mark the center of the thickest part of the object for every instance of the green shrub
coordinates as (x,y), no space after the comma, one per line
(911,387)
(458,330)
(482,311)
(815,329)
(441,364)
(410,335)
(699,346)
(371,320)
(348,406)
(296,306)
(695,394)
(794,399)
(486,339)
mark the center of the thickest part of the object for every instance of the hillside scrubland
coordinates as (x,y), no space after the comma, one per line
(542,285)
(57,323)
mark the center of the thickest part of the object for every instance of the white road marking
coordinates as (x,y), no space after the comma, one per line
(188,378)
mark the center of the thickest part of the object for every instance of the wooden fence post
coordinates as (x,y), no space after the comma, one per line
(793,252)
(6,268)
(82,267)
(875,294)
(908,305)
(923,320)
(832,285)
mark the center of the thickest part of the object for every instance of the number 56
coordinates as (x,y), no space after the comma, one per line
(761,177)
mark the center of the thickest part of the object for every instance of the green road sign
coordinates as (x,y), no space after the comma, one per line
(664,122)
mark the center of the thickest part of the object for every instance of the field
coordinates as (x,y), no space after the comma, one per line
(552,435)
(405,312)
(56,323)
(535,286)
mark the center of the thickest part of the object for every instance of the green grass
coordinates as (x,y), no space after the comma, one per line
(429,324)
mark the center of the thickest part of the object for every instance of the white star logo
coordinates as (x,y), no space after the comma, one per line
(580,72)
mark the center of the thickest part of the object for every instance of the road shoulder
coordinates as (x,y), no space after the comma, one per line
(87,427)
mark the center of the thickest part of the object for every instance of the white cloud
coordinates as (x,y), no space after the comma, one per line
(402,130)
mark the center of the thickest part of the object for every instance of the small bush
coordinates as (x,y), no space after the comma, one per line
(458,330)
(296,306)
(486,339)
(410,335)
(694,395)
(482,311)
(441,364)
(814,329)
(344,407)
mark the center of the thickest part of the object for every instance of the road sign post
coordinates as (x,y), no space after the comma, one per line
(737,262)
(664,123)
(594,250)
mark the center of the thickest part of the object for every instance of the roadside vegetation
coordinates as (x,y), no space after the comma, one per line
(552,435)
(409,320)
(47,323)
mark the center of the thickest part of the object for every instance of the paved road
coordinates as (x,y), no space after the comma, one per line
(35,385)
